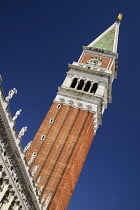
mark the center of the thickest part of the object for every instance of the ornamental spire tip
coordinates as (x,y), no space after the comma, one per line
(120,15)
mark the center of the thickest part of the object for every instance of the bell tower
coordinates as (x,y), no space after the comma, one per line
(59,149)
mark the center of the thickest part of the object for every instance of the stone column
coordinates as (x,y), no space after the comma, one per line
(78,81)
(90,86)
(85,82)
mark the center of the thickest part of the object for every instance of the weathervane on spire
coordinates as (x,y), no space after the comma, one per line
(120,15)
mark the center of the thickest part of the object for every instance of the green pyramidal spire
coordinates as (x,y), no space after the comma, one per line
(108,40)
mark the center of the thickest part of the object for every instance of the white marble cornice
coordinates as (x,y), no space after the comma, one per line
(91,70)
(74,98)
(103,52)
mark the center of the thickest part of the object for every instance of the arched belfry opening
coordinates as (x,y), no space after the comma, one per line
(87,86)
(94,87)
(74,83)
(80,85)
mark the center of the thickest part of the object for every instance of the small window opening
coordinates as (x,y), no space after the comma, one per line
(58,106)
(51,120)
(94,88)
(34,154)
(74,82)
(80,85)
(42,137)
(87,86)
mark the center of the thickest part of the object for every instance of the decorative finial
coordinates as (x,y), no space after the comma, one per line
(10,94)
(22,131)
(34,170)
(27,147)
(32,158)
(120,15)
(38,180)
(40,190)
(16,114)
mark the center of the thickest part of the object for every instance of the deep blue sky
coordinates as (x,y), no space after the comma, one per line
(37,41)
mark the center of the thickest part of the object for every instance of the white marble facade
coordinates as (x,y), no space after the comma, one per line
(17,190)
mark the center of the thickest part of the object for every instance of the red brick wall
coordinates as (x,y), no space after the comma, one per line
(61,155)
(43,130)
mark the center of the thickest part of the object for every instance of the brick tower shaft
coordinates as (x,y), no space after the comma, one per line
(62,153)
